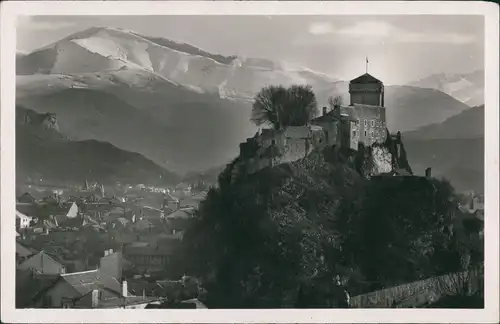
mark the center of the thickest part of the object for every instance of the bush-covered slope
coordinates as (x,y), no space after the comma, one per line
(260,238)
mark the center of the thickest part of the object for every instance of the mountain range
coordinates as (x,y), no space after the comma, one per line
(178,105)
(466,87)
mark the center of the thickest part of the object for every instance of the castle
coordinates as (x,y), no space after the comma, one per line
(363,121)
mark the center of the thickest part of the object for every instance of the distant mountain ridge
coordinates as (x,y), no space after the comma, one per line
(467,124)
(182,107)
(453,148)
(466,87)
(42,152)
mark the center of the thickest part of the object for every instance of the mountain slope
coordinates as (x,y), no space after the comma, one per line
(468,87)
(459,160)
(453,148)
(42,152)
(468,124)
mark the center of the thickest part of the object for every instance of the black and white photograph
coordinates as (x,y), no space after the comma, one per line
(229,161)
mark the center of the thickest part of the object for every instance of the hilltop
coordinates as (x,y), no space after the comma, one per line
(260,237)
(42,152)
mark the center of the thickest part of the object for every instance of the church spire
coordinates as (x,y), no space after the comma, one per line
(366,65)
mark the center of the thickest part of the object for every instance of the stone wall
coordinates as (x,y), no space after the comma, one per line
(418,292)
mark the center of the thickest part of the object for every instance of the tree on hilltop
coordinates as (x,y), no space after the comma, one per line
(281,107)
(334,102)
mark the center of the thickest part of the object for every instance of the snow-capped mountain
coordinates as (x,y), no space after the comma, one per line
(468,88)
(104,49)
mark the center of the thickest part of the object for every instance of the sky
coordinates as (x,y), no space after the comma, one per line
(400,49)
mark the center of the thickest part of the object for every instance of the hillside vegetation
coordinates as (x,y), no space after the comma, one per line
(258,239)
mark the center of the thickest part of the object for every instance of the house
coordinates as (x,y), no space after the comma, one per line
(27,198)
(28,209)
(28,284)
(80,290)
(113,263)
(152,213)
(44,263)
(142,225)
(170,202)
(149,256)
(23,252)
(22,221)
(61,210)
(183,213)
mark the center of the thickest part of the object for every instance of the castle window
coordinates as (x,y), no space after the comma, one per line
(372,134)
(366,122)
(365,133)
(373,123)
(354,133)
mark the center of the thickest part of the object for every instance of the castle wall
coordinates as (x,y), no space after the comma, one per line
(331,130)
(295,143)
(372,123)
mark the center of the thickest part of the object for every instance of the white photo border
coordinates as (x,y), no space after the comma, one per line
(11,9)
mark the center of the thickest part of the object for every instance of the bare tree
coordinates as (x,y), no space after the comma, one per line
(281,107)
(335,101)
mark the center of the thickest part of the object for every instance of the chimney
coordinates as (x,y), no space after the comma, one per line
(110,251)
(124,288)
(95,298)
(106,252)
(324,111)
(428,173)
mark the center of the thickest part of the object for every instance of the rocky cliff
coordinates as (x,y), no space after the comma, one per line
(31,118)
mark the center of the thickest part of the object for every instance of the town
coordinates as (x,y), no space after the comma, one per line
(87,247)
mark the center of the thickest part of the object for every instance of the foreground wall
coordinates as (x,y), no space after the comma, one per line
(417,293)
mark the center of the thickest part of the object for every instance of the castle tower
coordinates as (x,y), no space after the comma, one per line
(102,190)
(367,90)
(367,107)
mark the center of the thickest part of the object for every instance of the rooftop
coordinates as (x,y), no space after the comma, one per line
(366,78)
(86,281)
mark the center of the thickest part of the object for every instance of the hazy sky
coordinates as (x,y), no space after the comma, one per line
(400,48)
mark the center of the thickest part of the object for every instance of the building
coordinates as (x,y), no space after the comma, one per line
(43,263)
(23,252)
(79,289)
(170,202)
(363,121)
(27,198)
(367,106)
(22,221)
(149,256)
